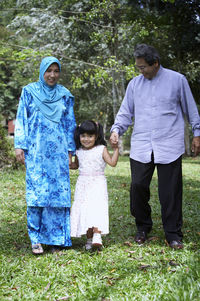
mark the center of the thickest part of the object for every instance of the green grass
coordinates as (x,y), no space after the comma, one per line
(122,270)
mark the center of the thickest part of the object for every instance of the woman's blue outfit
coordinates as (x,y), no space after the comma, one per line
(44,129)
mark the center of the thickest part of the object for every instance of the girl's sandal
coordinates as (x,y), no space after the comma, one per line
(37,249)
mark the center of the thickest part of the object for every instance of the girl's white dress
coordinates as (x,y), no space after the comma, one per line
(90,206)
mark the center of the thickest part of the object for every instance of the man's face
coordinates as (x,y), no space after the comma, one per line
(148,71)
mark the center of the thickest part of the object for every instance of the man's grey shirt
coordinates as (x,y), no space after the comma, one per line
(157,107)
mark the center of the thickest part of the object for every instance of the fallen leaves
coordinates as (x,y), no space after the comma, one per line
(173,263)
(128,243)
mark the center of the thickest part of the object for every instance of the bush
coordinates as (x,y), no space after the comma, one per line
(7,156)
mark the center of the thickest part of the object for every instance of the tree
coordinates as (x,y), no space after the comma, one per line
(92,49)
(94,41)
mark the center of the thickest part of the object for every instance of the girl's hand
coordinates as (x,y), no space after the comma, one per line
(74,165)
(20,155)
(114,146)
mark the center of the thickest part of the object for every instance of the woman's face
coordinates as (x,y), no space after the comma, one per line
(52,74)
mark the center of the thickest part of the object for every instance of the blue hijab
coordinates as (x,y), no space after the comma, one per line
(48,98)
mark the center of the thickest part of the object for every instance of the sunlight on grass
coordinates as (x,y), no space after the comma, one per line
(122,270)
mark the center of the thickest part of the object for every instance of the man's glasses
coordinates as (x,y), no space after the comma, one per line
(141,68)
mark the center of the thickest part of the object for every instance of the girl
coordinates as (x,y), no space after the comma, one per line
(89,214)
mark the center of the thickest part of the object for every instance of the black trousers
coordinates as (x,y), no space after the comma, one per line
(170,196)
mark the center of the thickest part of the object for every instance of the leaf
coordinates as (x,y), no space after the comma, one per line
(173,263)
(109,282)
(68,262)
(112,271)
(153,238)
(128,243)
(130,251)
(144,266)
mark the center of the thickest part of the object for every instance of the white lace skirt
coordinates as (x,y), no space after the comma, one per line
(90,206)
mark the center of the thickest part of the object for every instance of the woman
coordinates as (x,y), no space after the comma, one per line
(44,140)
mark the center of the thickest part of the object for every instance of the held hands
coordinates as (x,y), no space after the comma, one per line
(114,138)
(196,145)
(20,155)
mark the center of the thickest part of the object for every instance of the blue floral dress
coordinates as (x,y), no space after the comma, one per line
(46,145)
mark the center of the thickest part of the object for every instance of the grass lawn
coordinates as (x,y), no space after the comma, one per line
(122,270)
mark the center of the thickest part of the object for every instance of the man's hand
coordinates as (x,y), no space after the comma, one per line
(114,138)
(20,155)
(196,145)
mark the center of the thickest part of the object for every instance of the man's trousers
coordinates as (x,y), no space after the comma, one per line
(170,196)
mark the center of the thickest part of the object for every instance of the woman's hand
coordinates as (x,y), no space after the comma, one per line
(70,159)
(20,155)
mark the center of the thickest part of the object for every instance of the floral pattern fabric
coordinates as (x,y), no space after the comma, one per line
(46,145)
(50,226)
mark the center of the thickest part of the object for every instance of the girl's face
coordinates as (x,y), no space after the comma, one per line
(52,74)
(87,140)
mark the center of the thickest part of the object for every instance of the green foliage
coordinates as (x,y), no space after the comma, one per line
(7,157)
(17,69)
(94,41)
(122,271)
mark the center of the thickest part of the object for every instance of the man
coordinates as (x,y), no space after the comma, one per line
(157,100)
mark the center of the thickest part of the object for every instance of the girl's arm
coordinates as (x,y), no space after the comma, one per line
(74,165)
(111,159)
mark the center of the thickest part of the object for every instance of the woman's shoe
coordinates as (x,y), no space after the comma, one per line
(96,241)
(88,245)
(37,249)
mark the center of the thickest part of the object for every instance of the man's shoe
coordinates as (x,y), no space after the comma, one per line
(140,237)
(176,244)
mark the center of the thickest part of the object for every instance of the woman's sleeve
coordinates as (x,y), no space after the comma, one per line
(21,124)
(71,125)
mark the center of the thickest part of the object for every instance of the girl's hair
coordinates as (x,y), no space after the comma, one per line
(92,128)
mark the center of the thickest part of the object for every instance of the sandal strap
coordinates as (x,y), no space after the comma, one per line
(36,246)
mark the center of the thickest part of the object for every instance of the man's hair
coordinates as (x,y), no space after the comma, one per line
(149,53)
